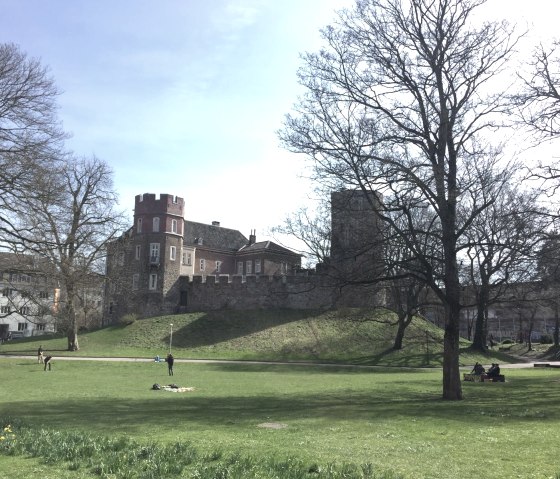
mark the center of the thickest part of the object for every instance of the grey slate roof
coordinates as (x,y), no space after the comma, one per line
(215,237)
(267,246)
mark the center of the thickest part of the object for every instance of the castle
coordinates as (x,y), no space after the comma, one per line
(165,264)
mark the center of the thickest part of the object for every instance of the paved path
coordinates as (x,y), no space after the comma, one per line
(223,361)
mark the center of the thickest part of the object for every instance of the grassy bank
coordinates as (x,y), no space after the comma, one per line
(349,336)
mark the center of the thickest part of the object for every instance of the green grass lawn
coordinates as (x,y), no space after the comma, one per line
(392,419)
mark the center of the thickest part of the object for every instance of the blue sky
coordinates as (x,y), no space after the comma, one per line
(185,96)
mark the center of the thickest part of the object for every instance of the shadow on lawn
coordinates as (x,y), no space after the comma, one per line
(498,404)
(220,326)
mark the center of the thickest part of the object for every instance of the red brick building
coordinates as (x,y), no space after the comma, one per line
(148,265)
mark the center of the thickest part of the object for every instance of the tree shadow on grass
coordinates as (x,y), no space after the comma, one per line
(159,410)
(219,326)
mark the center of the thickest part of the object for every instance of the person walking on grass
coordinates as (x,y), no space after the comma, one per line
(170,360)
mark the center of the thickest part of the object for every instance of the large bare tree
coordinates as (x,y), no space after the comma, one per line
(397,102)
(67,222)
(30,133)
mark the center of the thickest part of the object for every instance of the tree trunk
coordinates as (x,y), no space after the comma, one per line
(556,326)
(479,339)
(452,389)
(73,344)
(397,345)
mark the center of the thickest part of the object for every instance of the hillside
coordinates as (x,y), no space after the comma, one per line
(351,336)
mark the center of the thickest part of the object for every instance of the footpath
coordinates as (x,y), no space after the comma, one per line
(532,364)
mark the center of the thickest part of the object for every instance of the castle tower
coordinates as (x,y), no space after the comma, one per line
(356,245)
(157,241)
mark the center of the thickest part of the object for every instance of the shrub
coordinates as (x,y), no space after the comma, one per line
(546,339)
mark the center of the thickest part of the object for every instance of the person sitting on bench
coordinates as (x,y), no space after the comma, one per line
(478,369)
(494,371)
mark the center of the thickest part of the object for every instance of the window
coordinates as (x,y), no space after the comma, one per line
(202,264)
(20,278)
(137,252)
(218,266)
(139,225)
(257,266)
(189,259)
(5,309)
(172,253)
(175,200)
(25,310)
(121,258)
(240,267)
(8,292)
(153,281)
(155,225)
(135,280)
(154,252)
(44,295)
(249,267)
(174,226)
(22,326)
(40,327)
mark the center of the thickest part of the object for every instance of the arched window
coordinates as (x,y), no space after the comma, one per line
(155,227)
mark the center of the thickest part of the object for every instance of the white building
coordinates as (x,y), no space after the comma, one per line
(28,300)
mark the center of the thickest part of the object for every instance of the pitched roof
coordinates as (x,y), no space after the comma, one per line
(268,247)
(213,236)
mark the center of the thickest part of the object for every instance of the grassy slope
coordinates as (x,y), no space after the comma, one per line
(351,336)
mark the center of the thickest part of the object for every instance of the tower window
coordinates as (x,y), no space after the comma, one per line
(155,225)
(174,226)
(172,253)
(139,225)
(153,281)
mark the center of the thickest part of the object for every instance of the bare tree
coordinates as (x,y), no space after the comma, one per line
(30,133)
(396,102)
(68,221)
(539,98)
(500,247)
(312,228)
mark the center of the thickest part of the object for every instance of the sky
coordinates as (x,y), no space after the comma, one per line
(186,96)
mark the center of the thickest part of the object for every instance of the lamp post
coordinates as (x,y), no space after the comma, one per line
(170,336)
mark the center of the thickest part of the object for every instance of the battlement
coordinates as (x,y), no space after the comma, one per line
(149,204)
(206,293)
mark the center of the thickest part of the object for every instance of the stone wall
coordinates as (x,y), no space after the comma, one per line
(274,292)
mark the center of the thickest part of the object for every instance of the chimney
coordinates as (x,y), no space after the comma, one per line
(252,237)
(215,223)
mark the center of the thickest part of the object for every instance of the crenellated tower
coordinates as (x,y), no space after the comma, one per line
(156,244)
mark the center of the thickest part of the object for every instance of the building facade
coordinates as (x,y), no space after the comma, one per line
(150,268)
(28,298)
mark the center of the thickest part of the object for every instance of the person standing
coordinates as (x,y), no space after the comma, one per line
(170,360)
(40,358)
